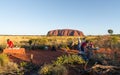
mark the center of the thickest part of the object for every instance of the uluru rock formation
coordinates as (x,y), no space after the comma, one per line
(65,32)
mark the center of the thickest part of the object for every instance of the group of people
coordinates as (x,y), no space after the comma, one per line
(85,48)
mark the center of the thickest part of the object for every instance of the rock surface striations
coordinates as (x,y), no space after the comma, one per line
(65,32)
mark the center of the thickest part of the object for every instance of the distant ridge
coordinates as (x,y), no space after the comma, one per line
(65,32)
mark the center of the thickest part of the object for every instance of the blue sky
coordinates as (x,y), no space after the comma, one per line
(37,17)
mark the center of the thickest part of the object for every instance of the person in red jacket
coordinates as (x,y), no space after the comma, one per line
(84,46)
(9,44)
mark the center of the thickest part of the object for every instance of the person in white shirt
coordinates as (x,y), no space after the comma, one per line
(79,44)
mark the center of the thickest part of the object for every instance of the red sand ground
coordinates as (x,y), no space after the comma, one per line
(47,56)
(39,56)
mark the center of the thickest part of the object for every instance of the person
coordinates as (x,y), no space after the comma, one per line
(83,40)
(90,45)
(79,44)
(84,46)
(84,50)
(90,49)
(9,44)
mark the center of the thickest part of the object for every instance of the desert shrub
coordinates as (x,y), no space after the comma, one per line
(37,43)
(23,64)
(10,68)
(59,66)
(45,70)
(99,41)
(34,47)
(41,47)
(3,59)
(105,59)
(7,67)
(53,70)
(30,42)
(113,42)
(71,44)
(107,42)
(69,41)
(29,66)
(41,41)
(69,59)
(64,46)
(2,47)
(59,70)
(26,47)
(118,45)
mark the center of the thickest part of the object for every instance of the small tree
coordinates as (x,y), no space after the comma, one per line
(110,31)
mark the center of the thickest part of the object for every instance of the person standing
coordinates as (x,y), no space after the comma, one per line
(90,49)
(83,40)
(9,44)
(79,44)
(84,46)
(84,50)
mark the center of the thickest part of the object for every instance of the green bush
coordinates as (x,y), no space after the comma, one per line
(7,67)
(40,41)
(29,66)
(2,47)
(3,59)
(69,59)
(106,59)
(64,46)
(53,70)
(10,68)
(59,66)
(45,70)
(23,64)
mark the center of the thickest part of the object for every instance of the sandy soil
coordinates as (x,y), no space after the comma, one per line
(47,56)
(39,56)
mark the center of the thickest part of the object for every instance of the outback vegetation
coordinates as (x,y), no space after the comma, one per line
(105,61)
